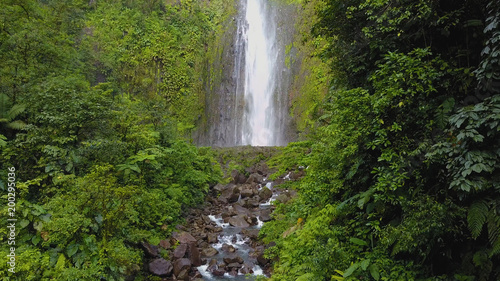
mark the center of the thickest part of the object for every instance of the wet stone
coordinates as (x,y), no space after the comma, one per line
(209,252)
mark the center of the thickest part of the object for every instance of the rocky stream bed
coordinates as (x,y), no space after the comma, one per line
(219,240)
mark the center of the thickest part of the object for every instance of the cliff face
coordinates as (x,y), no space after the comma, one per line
(221,123)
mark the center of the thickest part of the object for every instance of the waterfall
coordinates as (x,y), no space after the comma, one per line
(247,89)
(259,118)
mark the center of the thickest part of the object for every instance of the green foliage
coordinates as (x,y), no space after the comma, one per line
(402,182)
(96,98)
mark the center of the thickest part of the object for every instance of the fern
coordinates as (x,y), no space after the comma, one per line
(476,217)
(494,231)
(481,213)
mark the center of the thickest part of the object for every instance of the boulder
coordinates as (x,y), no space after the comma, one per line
(231,194)
(219,187)
(233,258)
(165,244)
(212,238)
(240,210)
(233,272)
(151,250)
(238,178)
(247,191)
(283,198)
(184,237)
(180,251)
(265,215)
(247,269)
(194,255)
(262,260)
(209,252)
(239,221)
(265,193)
(297,175)
(228,248)
(218,272)
(206,219)
(251,233)
(160,267)
(254,178)
(180,265)
(251,203)
(183,275)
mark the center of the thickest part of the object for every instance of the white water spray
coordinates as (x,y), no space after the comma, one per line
(260,124)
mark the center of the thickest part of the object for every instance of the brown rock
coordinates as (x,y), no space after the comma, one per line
(219,187)
(231,194)
(247,191)
(183,275)
(254,178)
(252,233)
(228,248)
(262,260)
(265,193)
(160,267)
(180,265)
(233,258)
(194,255)
(283,198)
(238,178)
(151,250)
(184,237)
(209,252)
(265,215)
(251,203)
(212,238)
(180,251)
(240,210)
(165,244)
(239,221)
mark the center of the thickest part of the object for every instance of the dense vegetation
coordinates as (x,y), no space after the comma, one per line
(400,101)
(96,98)
(403,164)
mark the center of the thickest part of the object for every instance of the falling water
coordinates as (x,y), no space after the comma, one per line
(247,91)
(259,118)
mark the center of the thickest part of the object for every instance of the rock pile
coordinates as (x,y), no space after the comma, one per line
(238,203)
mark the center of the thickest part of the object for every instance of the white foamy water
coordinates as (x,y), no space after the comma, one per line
(260,118)
(260,223)
(219,221)
(257,270)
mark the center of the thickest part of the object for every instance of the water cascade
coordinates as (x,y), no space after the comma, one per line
(247,94)
(260,125)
